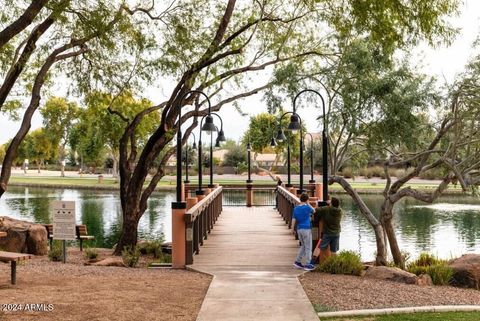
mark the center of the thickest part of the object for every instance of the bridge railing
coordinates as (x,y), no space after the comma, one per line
(199,221)
(237,196)
(286,201)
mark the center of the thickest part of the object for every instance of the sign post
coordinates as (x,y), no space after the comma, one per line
(64,223)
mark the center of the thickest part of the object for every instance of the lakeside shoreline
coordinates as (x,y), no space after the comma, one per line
(364,187)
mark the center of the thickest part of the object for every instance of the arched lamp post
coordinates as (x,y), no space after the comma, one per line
(294,126)
(179,206)
(208,127)
(220,138)
(324,145)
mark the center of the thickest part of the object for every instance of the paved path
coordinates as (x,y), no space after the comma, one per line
(250,253)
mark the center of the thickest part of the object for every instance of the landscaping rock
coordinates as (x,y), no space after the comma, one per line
(391,274)
(110,261)
(466,271)
(23,237)
(424,280)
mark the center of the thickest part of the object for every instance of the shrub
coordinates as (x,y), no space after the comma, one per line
(438,270)
(91,253)
(396,172)
(55,253)
(426,259)
(377,171)
(152,246)
(441,274)
(130,255)
(347,172)
(365,172)
(164,258)
(346,262)
(431,174)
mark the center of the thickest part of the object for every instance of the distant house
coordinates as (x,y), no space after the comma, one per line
(266,160)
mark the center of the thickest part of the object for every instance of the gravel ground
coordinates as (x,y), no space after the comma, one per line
(345,292)
(79,292)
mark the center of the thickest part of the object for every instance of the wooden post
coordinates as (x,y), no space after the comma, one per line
(319,191)
(191,201)
(13,277)
(178,237)
(249,194)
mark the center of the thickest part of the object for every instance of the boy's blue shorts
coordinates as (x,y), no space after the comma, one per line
(333,240)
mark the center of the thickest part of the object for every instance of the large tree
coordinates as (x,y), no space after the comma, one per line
(245,38)
(47,44)
(451,147)
(59,116)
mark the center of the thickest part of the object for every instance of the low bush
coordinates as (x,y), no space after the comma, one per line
(347,172)
(438,270)
(365,172)
(55,253)
(431,174)
(441,274)
(396,172)
(91,253)
(346,262)
(165,258)
(377,171)
(152,246)
(130,255)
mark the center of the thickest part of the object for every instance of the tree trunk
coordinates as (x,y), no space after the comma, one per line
(129,233)
(62,170)
(387,219)
(115,166)
(381,258)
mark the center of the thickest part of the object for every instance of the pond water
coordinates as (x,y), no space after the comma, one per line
(448,228)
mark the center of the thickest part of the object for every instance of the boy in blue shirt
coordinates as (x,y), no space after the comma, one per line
(301,215)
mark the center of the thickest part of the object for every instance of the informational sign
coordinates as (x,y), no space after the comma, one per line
(64,220)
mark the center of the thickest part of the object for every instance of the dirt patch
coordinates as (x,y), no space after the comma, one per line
(345,292)
(79,292)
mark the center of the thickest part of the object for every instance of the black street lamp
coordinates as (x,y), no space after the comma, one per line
(312,180)
(220,138)
(324,144)
(294,126)
(249,150)
(208,127)
(179,203)
(194,147)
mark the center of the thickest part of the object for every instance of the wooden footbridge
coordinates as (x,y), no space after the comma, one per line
(249,250)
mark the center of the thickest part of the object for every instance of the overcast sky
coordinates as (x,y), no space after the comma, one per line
(443,62)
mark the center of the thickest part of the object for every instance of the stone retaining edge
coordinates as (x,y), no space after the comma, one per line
(430,308)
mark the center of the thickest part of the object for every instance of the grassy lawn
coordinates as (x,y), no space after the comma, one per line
(109,182)
(427,316)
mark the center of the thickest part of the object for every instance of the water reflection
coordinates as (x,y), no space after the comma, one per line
(448,228)
(99,210)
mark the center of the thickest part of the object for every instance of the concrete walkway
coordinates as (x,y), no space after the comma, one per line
(250,252)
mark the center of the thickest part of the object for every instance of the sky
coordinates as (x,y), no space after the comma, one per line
(442,62)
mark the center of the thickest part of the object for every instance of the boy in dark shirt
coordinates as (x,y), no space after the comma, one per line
(331,217)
